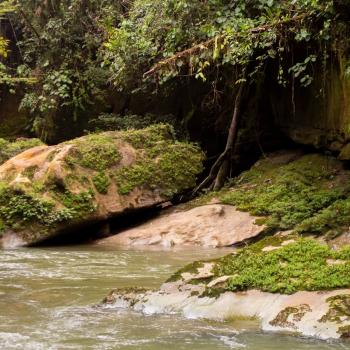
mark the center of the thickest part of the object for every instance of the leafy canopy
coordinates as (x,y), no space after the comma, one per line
(171,38)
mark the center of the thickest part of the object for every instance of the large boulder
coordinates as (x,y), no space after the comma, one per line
(286,190)
(51,190)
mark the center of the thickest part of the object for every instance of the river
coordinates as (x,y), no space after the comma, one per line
(48,298)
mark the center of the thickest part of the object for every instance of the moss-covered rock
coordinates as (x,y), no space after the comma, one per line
(308,193)
(288,267)
(10,149)
(292,285)
(52,189)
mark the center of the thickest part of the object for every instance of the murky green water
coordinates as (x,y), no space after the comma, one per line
(47,298)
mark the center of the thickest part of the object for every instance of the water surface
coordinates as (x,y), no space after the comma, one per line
(47,298)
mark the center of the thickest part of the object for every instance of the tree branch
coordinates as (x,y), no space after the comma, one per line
(209,43)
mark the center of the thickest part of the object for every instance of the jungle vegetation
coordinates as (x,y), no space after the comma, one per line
(70,54)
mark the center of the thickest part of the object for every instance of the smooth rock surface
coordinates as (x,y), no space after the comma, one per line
(214,225)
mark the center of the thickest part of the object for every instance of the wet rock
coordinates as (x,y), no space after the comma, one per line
(303,313)
(204,290)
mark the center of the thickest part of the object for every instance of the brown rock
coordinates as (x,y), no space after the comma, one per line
(214,225)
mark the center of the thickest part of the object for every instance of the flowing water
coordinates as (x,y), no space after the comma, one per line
(47,298)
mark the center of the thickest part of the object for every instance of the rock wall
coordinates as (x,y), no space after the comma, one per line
(318,115)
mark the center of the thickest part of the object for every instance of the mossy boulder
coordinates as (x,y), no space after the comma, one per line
(289,190)
(345,153)
(49,190)
(10,149)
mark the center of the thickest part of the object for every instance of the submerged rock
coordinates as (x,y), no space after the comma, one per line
(51,190)
(213,225)
(291,289)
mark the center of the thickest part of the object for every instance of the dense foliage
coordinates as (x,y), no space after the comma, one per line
(75,49)
(181,38)
(57,45)
(5,8)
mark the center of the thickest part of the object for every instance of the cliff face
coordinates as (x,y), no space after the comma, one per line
(318,115)
(12,121)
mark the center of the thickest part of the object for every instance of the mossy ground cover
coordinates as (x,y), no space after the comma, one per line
(309,194)
(18,209)
(10,149)
(303,265)
(162,163)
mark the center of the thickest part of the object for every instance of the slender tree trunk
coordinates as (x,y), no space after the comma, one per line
(231,141)
(220,169)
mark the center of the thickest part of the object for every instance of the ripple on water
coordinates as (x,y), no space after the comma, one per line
(46,297)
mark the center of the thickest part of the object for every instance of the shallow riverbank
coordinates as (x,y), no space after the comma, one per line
(47,299)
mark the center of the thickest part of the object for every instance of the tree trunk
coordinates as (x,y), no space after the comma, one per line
(218,172)
(231,141)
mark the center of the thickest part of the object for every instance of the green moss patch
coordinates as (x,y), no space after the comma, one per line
(339,309)
(190,268)
(101,182)
(288,316)
(78,204)
(332,220)
(171,168)
(97,151)
(148,137)
(300,266)
(11,149)
(309,193)
(19,209)
(162,164)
